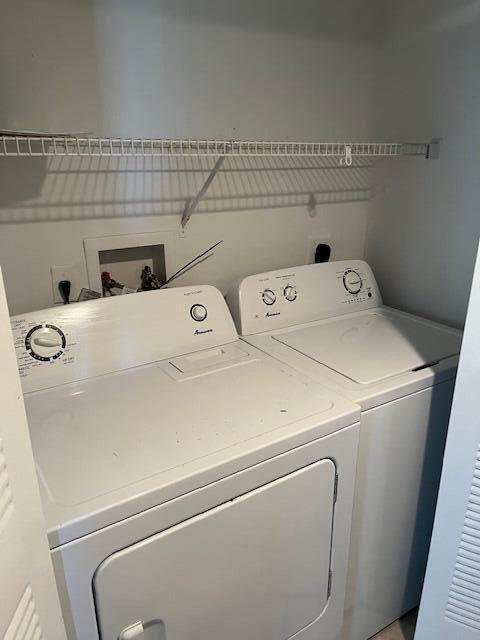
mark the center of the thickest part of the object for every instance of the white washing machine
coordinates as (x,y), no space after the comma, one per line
(328,321)
(194,487)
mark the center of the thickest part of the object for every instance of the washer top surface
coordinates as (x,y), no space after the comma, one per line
(329,322)
(372,346)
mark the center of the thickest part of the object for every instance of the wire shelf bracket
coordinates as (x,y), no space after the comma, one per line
(193,203)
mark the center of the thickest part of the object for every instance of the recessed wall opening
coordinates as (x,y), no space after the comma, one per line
(125,265)
(125,256)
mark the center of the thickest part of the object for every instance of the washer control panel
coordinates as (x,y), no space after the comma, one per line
(77,341)
(283,298)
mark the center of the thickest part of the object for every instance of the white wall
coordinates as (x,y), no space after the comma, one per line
(254,241)
(424,225)
(260,69)
(210,68)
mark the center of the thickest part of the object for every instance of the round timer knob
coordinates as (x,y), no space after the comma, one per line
(290,293)
(269,297)
(45,342)
(352,281)
(198,312)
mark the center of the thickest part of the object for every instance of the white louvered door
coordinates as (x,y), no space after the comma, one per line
(29,606)
(450,607)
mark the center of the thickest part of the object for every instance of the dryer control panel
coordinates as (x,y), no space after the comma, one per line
(78,341)
(279,299)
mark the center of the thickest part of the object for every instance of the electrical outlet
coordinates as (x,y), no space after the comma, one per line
(312,243)
(65,272)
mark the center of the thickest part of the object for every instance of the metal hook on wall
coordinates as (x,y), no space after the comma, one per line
(347,159)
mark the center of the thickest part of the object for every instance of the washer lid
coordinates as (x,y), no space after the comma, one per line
(374,346)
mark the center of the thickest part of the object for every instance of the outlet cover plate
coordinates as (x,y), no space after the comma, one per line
(63,272)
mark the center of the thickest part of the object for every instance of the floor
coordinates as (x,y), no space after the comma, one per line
(403,629)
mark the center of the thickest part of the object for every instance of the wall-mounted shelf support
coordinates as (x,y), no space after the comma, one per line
(433,150)
(192,204)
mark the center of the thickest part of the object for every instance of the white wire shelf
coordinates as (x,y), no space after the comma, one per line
(28,144)
(38,145)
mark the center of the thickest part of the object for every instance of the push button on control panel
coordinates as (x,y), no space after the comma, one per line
(198,312)
(269,297)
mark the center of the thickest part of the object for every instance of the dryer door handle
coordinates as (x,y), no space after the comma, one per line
(154,628)
(133,632)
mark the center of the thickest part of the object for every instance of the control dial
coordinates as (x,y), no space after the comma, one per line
(290,293)
(352,281)
(45,342)
(198,312)
(269,297)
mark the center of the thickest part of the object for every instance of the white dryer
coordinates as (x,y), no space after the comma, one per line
(328,321)
(194,487)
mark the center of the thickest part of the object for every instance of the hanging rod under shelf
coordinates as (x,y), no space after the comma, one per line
(33,146)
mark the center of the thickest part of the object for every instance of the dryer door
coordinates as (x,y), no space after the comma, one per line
(256,567)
